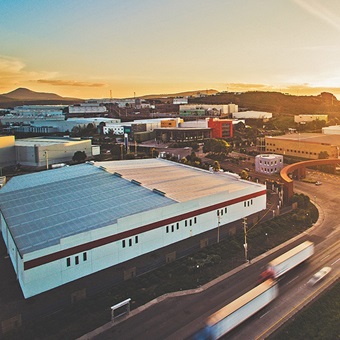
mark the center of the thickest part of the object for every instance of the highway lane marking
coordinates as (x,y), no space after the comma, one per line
(335,262)
(264,314)
(292,280)
(325,257)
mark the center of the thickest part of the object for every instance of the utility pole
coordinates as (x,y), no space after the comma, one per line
(218,226)
(245,245)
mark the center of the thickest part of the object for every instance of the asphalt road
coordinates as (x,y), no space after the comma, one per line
(179,317)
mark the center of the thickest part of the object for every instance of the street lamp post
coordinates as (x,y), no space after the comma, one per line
(218,226)
(245,245)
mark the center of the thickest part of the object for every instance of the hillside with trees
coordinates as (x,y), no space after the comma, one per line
(276,102)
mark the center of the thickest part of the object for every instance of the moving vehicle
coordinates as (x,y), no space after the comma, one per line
(318,183)
(319,276)
(288,260)
(239,310)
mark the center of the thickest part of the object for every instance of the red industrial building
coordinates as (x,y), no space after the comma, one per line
(221,128)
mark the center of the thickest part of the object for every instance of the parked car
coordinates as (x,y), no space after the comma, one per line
(319,276)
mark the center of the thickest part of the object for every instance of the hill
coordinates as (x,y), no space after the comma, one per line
(181,94)
(275,102)
(25,96)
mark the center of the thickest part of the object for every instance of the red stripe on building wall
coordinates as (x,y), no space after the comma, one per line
(129,233)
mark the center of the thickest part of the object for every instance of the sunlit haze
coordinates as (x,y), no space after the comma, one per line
(85,49)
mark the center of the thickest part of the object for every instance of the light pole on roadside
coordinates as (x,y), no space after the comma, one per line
(218,226)
(245,245)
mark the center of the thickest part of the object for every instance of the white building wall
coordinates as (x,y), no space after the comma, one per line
(309,118)
(11,246)
(268,163)
(331,130)
(203,123)
(252,115)
(35,155)
(180,100)
(87,108)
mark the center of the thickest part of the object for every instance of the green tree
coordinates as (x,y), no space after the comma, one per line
(244,174)
(216,166)
(195,147)
(79,156)
(116,150)
(216,146)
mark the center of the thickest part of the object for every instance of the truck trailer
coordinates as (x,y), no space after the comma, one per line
(239,310)
(288,260)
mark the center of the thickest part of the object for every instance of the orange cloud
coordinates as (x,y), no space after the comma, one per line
(73,83)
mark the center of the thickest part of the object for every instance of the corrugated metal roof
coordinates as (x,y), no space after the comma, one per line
(42,208)
(178,181)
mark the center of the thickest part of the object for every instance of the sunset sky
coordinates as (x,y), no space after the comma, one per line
(85,48)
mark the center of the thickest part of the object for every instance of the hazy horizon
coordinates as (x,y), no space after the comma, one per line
(86,49)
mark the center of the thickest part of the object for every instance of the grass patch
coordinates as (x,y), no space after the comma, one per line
(318,321)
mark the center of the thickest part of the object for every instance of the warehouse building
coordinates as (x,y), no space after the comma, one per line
(265,116)
(63,224)
(40,152)
(303,119)
(303,145)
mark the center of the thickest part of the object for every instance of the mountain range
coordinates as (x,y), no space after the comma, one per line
(23,96)
(275,102)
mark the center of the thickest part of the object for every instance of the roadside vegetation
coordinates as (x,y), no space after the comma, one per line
(186,273)
(318,321)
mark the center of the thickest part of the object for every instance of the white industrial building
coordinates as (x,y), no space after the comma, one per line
(148,125)
(252,115)
(90,107)
(180,100)
(268,163)
(39,152)
(303,119)
(63,224)
(38,110)
(331,130)
(223,109)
